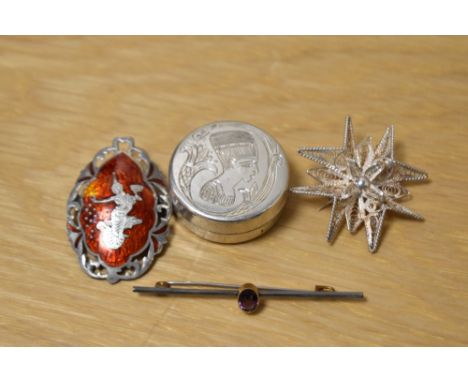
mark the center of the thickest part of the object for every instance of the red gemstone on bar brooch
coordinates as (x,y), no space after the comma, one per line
(118,213)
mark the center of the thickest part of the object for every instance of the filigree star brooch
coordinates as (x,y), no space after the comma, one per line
(361,182)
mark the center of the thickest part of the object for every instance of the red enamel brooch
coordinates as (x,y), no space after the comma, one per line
(118,213)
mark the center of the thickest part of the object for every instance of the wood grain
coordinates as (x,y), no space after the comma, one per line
(63,98)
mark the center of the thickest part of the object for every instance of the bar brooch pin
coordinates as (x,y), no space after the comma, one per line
(248,295)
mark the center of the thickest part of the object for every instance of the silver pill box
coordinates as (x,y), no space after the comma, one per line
(229,181)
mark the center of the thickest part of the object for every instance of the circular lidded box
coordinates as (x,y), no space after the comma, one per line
(229,181)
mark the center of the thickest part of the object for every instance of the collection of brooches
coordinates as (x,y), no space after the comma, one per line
(228,182)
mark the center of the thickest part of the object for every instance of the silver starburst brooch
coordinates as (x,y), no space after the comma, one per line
(362,183)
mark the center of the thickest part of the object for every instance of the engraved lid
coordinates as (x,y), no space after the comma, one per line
(229,181)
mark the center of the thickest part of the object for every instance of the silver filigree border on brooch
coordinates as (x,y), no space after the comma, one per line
(141,261)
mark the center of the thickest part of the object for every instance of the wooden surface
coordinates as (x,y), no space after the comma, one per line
(62,99)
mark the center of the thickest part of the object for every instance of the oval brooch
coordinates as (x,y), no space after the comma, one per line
(118,213)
